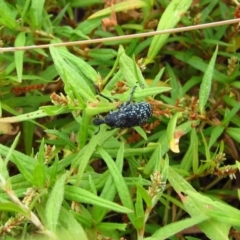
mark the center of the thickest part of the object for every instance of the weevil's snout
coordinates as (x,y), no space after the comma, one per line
(98,121)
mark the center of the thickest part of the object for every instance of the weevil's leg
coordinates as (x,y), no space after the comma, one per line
(131,94)
(97,130)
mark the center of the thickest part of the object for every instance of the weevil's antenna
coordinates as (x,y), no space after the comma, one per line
(105,97)
(100,94)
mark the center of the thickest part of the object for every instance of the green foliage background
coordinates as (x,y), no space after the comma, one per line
(59,180)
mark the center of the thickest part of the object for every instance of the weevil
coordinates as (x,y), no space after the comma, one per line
(128,115)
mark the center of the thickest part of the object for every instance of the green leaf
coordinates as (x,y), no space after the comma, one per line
(60,16)
(39,174)
(199,64)
(7,15)
(53,171)
(73,229)
(26,116)
(121,6)
(119,182)
(229,115)
(141,132)
(208,9)
(130,70)
(12,207)
(139,221)
(28,132)
(65,138)
(217,210)
(18,55)
(145,196)
(156,155)
(108,226)
(155,81)
(84,216)
(78,194)
(4,175)
(215,134)
(102,54)
(159,150)
(11,150)
(24,10)
(74,83)
(36,13)
(212,228)
(54,203)
(234,133)
(51,110)
(87,26)
(23,166)
(191,156)
(169,19)
(82,158)
(82,66)
(109,191)
(176,92)
(84,127)
(206,84)
(171,229)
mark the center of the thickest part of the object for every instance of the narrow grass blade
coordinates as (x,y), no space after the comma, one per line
(169,19)
(54,203)
(36,12)
(73,229)
(190,158)
(234,133)
(81,195)
(120,6)
(109,191)
(206,84)
(12,207)
(176,227)
(18,55)
(120,184)
(212,228)
(39,173)
(7,15)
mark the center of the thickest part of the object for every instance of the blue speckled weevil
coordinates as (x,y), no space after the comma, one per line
(128,115)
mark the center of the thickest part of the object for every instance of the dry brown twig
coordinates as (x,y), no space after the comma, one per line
(130,36)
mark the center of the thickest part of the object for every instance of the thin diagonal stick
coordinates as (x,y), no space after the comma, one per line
(137,35)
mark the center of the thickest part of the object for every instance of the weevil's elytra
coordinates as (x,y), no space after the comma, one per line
(128,115)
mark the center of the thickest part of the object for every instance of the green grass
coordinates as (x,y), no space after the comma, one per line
(173,178)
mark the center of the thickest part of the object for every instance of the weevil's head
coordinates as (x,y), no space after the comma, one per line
(98,121)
